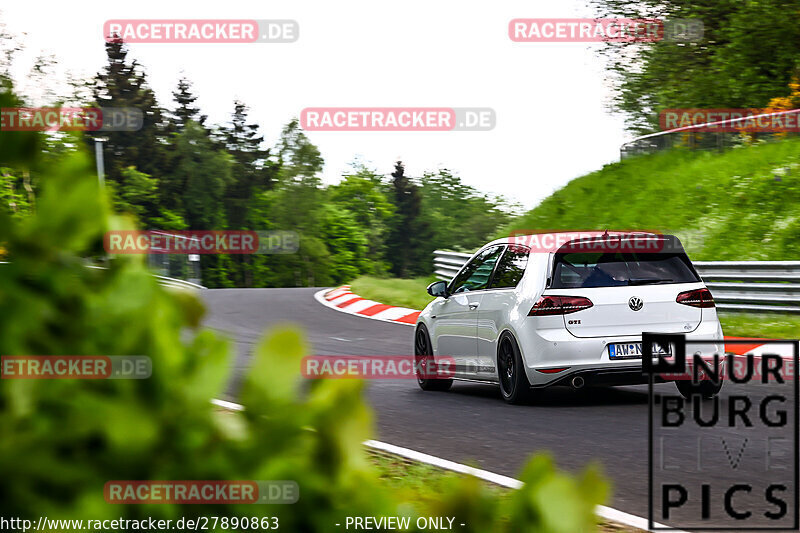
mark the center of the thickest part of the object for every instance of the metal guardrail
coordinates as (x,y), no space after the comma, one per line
(759,286)
(756,286)
(447,264)
(702,137)
(163,280)
(178,283)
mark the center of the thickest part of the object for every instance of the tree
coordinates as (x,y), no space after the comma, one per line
(361,193)
(294,203)
(124,84)
(252,174)
(297,181)
(408,231)
(345,241)
(139,196)
(203,174)
(185,110)
(747,56)
(459,216)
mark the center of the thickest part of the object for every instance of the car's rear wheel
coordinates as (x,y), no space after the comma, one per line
(514,385)
(425,363)
(706,389)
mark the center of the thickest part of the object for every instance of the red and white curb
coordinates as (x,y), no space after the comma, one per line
(343,300)
(607,513)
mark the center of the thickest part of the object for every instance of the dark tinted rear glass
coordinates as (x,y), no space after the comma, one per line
(579,270)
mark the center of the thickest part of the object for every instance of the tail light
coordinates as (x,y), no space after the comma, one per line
(559,305)
(551,370)
(696,298)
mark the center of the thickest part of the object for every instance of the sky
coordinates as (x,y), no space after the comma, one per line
(551,100)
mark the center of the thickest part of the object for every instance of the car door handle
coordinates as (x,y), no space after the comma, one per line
(474,305)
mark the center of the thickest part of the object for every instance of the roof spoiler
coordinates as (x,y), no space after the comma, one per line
(641,243)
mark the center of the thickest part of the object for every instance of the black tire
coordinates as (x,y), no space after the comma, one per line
(514,385)
(706,389)
(423,357)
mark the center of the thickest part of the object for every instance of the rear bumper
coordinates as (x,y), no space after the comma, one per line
(605,377)
(589,357)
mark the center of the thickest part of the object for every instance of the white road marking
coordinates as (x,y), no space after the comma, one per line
(609,513)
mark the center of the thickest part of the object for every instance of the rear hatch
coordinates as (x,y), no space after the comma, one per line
(629,292)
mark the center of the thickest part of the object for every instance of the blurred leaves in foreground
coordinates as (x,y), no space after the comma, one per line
(62,440)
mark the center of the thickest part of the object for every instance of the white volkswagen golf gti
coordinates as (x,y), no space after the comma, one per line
(572,312)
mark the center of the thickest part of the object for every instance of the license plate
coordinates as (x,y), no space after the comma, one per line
(633,350)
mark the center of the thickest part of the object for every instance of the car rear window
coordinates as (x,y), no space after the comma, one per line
(581,270)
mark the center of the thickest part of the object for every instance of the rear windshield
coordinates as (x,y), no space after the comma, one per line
(580,270)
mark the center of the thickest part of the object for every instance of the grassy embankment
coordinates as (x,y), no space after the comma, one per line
(743,204)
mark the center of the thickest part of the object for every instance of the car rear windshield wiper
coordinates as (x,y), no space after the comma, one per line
(648,281)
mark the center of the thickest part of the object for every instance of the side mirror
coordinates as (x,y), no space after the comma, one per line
(438,288)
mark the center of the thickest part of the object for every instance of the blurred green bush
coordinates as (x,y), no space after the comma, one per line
(62,440)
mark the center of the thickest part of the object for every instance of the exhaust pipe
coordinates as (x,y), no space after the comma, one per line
(577,382)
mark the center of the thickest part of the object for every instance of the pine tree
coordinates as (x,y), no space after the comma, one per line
(408,229)
(252,174)
(185,110)
(124,84)
(251,171)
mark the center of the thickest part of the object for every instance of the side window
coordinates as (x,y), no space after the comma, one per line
(511,267)
(476,274)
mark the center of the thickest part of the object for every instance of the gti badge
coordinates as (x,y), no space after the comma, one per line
(635,303)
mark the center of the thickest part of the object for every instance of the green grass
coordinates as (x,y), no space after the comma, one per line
(420,482)
(769,325)
(743,204)
(393,291)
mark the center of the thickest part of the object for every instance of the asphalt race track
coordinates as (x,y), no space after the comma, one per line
(471,424)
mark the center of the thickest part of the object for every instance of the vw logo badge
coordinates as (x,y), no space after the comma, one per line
(635,303)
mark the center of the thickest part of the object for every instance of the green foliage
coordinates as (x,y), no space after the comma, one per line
(202,174)
(459,216)
(738,205)
(16,194)
(362,195)
(137,194)
(747,56)
(405,244)
(346,243)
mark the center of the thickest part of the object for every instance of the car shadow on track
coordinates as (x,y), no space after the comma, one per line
(562,396)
